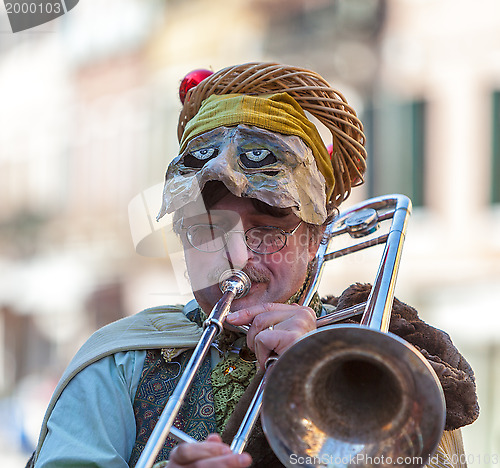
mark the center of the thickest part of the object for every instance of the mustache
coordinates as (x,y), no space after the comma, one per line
(255,275)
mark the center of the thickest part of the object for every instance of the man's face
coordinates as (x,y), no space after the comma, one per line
(275,277)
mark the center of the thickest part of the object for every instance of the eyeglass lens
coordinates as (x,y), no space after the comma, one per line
(212,238)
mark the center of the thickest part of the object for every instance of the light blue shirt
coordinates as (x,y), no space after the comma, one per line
(90,420)
(93,423)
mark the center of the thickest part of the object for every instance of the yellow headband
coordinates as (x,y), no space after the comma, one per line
(277,113)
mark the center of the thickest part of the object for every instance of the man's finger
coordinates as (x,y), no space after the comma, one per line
(292,319)
(276,310)
(278,341)
(185,454)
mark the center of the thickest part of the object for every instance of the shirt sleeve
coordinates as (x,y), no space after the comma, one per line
(450,452)
(93,422)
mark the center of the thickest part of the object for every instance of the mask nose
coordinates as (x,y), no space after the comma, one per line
(224,168)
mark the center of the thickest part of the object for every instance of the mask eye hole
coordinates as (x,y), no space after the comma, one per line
(198,158)
(257,158)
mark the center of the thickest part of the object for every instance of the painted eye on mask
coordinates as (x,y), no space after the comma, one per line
(257,158)
(198,158)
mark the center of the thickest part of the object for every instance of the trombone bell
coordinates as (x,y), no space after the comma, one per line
(347,395)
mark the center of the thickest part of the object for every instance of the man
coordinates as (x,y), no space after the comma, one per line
(251,189)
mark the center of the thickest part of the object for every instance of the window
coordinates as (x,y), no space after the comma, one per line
(395,133)
(495,149)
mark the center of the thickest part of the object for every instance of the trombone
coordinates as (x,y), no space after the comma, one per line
(363,397)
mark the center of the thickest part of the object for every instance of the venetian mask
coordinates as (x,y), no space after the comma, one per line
(277,169)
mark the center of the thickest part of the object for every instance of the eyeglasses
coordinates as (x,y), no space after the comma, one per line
(260,239)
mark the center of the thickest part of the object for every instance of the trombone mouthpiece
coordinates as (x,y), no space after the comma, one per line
(237,279)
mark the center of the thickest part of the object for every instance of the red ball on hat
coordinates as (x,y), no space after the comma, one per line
(191,80)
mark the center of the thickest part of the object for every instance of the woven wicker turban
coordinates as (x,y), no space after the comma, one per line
(312,93)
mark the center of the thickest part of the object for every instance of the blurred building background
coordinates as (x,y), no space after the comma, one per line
(88,120)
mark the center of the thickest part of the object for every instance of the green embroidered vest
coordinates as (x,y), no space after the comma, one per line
(158,380)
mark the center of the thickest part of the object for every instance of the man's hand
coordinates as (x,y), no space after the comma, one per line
(211,453)
(273,327)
